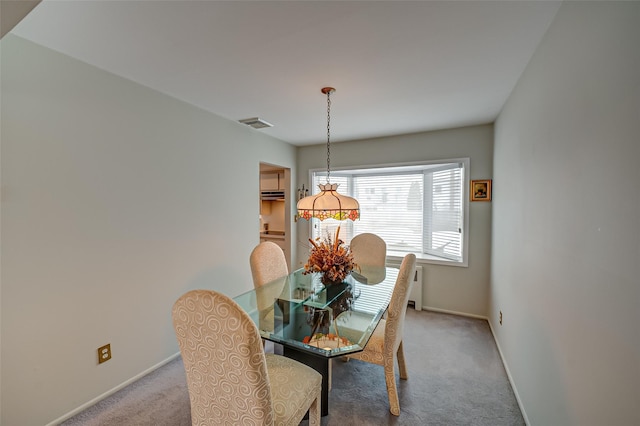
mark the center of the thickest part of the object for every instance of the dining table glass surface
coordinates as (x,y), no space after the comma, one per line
(301,313)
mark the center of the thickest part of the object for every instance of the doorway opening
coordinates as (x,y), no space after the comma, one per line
(275,210)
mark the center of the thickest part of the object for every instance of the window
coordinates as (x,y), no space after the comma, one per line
(415,208)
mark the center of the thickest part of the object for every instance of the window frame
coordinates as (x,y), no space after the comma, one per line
(384,169)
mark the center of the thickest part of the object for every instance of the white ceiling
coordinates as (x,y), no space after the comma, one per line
(398,67)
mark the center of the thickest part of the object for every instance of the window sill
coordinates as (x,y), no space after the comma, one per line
(397,256)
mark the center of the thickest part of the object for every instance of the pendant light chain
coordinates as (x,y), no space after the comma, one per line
(328,203)
(328,134)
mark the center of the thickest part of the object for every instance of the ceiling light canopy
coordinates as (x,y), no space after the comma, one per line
(329,204)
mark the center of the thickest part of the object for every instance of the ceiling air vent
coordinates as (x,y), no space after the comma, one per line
(256,123)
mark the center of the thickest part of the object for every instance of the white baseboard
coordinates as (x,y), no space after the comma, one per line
(447,311)
(112,391)
(506,368)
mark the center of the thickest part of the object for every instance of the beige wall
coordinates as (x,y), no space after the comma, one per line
(566,240)
(12,12)
(447,288)
(115,200)
(111,208)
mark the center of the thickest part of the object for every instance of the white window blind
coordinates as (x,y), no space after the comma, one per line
(443,224)
(418,209)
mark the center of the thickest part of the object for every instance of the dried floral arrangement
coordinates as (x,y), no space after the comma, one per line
(330,257)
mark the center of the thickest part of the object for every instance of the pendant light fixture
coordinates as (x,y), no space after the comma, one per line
(328,204)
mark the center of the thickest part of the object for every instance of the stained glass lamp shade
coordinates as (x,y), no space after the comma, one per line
(328,204)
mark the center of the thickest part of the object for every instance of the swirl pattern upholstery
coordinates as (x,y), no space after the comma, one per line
(368,250)
(385,344)
(267,262)
(231,380)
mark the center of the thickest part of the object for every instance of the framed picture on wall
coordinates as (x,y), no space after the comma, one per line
(481,190)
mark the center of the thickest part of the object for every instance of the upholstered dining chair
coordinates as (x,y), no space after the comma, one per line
(385,345)
(230,379)
(267,263)
(369,252)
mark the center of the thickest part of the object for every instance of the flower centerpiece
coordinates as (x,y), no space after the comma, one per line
(331,258)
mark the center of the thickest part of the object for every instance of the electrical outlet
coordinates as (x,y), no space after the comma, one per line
(104,353)
(500,317)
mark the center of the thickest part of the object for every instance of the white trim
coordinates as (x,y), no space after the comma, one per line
(513,385)
(465,160)
(461,314)
(110,392)
(424,259)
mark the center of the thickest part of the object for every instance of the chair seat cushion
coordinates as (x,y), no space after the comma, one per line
(293,387)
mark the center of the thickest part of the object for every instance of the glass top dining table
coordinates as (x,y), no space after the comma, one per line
(300,312)
(315,323)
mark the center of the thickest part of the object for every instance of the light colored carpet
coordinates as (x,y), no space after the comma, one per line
(160,398)
(456,377)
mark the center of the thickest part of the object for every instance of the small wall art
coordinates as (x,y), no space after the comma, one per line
(480,190)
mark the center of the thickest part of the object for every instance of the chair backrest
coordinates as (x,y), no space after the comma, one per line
(398,305)
(267,263)
(224,360)
(368,250)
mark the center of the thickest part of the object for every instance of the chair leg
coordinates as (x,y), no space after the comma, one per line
(314,411)
(401,363)
(392,391)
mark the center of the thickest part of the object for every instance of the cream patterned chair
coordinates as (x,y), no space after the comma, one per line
(370,254)
(267,262)
(231,380)
(385,345)
(368,250)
